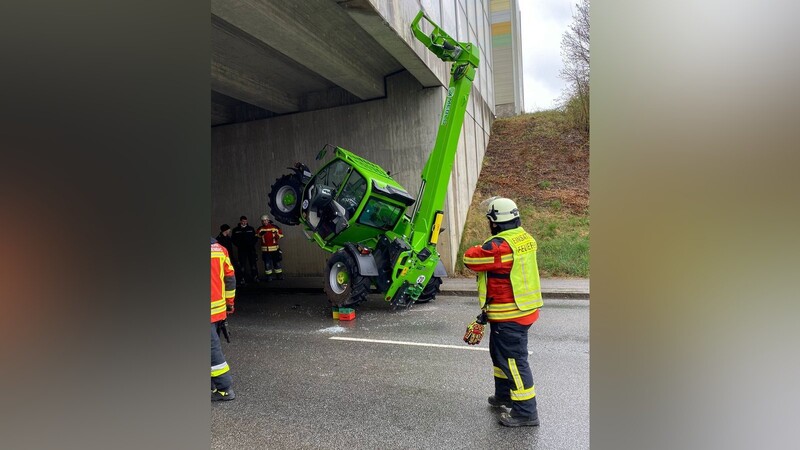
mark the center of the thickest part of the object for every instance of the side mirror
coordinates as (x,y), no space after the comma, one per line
(322,152)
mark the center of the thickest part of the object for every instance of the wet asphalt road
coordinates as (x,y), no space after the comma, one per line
(299,389)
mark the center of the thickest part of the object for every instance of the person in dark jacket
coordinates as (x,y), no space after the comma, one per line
(244,238)
(224,237)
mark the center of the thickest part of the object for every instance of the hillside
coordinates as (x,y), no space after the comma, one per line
(535,159)
(543,165)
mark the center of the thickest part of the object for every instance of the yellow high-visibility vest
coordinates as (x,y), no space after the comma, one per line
(524,274)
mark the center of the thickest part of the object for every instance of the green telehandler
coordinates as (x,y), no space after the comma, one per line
(354,209)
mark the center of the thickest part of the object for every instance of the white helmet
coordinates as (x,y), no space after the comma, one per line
(501,210)
(265,217)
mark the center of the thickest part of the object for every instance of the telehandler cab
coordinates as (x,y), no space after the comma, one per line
(354,209)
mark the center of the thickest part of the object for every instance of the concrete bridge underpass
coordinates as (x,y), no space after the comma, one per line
(289,77)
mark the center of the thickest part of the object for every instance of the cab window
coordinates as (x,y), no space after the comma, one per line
(333,174)
(380,214)
(352,193)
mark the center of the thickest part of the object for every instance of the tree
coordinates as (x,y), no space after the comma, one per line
(575,54)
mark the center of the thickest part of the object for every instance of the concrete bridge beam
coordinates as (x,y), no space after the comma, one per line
(315,34)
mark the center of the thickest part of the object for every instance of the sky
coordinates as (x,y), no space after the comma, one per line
(543,23)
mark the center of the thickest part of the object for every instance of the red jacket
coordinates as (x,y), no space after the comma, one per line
(223,282)
(269,235)
(498,282)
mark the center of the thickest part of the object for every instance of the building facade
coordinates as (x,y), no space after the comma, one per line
(507,50)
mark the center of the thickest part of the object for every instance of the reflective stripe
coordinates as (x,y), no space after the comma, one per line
(230,294)
(512,366)
(268,272)
(224,259)
(484,260)
(507,258)
(493,315)
(529,293)
(278,270)
(217,306)
(530,303)
(523,394)
(271,248)
(219,369)
(502,307)
(498,373)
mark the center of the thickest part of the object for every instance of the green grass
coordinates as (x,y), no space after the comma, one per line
(562,237)
(550,123)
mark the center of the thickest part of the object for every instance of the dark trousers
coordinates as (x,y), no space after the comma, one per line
(220,372)
(508,347)
(272,262)
(247,261)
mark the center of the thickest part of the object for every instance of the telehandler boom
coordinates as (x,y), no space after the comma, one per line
(354,209)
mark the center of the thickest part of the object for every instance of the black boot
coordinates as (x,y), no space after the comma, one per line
(508,420)
(223,396)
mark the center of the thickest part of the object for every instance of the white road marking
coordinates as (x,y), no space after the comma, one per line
(420,344)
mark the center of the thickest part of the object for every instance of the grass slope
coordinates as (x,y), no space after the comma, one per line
(542,164)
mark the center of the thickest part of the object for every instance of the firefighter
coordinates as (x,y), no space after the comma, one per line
(270,250)
(223,291)
(244,238)
(510,297)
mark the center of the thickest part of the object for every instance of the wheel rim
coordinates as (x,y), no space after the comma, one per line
(287,197)
(339,278)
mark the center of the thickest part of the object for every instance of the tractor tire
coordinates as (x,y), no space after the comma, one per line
(343,284)
(284,199)
(430,291)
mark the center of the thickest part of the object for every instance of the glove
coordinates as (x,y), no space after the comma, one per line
(222,330)
(475,329)
(474,332)
(229,309)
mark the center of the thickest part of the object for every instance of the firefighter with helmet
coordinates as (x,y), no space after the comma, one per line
(510,297)
(271,254)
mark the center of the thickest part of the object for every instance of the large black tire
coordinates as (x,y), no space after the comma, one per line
(430,291)
(284,199)
(343,284)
